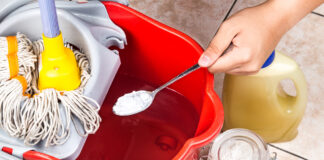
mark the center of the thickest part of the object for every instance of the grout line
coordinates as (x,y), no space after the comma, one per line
(319,14)
(226,16)
(287,151)
(230,10)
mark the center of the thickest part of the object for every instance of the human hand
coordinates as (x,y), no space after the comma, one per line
(252,34)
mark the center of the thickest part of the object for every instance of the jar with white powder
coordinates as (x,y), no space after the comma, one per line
(239,144)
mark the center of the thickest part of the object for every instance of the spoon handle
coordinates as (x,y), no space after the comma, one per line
(186,72)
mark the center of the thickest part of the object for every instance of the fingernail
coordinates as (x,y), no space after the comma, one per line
(204,61)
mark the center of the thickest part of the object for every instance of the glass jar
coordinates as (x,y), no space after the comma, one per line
(239,144)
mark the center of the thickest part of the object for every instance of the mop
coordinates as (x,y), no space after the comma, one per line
(60,85)
(41,114)
(17,62)
(40,103)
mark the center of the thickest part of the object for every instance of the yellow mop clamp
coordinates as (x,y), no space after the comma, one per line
(58,69)
(58,66)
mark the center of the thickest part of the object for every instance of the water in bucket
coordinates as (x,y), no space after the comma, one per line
(157,133)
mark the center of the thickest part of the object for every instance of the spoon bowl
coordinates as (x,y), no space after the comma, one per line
(138,101)
(133,103)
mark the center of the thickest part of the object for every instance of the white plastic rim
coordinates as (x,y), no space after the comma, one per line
(240,144)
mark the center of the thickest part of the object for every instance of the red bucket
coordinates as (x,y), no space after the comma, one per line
(155,53)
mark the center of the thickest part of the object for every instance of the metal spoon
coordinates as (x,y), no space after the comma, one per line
(152,93)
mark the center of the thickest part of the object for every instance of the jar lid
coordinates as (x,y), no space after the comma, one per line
(239,144)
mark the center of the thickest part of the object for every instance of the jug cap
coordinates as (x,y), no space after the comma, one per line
(269,60)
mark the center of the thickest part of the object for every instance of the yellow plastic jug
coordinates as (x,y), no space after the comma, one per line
(258,102)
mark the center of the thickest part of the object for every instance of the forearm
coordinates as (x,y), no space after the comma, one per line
(289,12)
(253,33)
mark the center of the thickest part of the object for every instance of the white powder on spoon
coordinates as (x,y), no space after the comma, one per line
(132,103)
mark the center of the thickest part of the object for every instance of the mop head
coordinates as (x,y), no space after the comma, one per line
(44,116)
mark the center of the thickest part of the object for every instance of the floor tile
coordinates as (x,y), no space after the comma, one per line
(320,9)
(241,4)
(281,154)
(197,18)
(304,43)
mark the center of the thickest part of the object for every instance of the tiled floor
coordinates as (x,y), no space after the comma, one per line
(320,9)
(304,43)
(197,18)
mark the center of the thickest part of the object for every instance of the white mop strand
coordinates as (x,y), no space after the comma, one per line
(11,90)
(38,49)
(85,109)
(26,57)
(84,66)
(41,116)
(4,65)
(47,124)
(80,108)
(11,96)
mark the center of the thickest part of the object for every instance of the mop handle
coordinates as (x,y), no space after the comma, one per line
(49,18)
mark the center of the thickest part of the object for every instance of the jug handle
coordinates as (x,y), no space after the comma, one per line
(297,76)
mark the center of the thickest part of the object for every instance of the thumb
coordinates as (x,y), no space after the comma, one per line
(218,45)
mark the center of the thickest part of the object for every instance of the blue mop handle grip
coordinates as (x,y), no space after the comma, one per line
(49,18)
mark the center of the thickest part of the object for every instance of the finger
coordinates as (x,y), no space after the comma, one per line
(234,71)
(243,70)
(229,61)
(218,45)
(239,72)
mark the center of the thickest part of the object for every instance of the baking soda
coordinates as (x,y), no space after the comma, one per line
(237,150)
(133,102)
